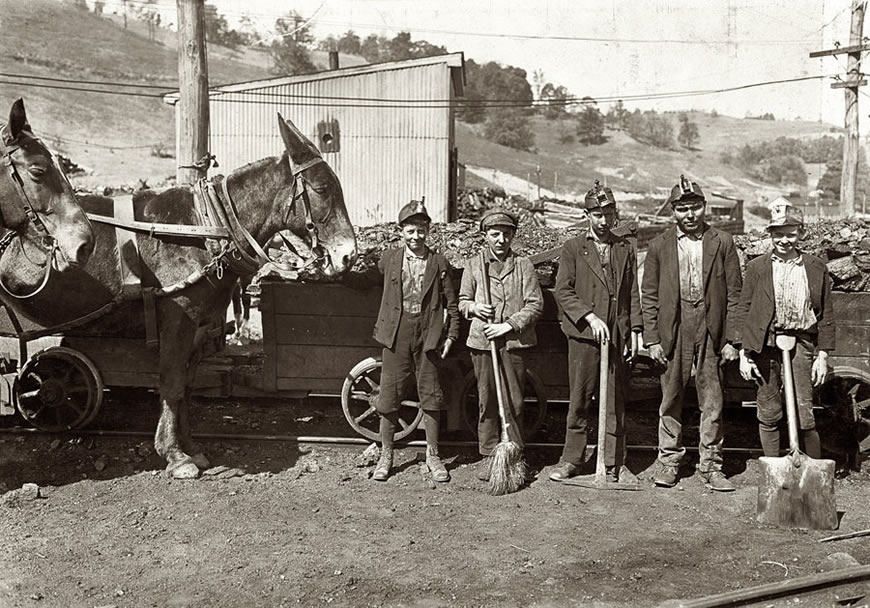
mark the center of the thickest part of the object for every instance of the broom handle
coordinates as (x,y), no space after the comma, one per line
(790,408)
(493,349)
(603,381)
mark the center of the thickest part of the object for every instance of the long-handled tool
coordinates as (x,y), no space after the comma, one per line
(795,491)
(508,471)
(599,480)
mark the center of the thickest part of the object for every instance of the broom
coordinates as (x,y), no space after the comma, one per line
(508,470)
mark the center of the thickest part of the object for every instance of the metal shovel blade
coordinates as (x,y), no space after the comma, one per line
(597,483)
(796,491)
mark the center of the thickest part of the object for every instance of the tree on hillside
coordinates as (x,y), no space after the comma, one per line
(249,32)
(349,43)
(290,54)
(216,26)
(651,128)
(509,127)
(688,131)
(617,116)
(491,81)
(555,98)
(590,123)
(371,47)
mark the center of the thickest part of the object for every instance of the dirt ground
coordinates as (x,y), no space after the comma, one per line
(282,524)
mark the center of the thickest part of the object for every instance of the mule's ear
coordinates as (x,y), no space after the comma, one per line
(299,148)
(18,119)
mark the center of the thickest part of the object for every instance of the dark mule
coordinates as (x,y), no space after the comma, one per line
(192,282)
(40,216)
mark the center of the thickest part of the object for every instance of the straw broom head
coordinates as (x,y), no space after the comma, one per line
(508,472)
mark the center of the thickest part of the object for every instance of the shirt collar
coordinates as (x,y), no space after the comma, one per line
(410,255)
(590,234)
(491,257)
(685,235)
(798,261)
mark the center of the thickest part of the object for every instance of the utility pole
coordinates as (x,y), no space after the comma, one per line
(853,80)
(192,118)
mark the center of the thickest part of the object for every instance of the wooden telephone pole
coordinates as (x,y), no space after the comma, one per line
(192,118)
(853,80)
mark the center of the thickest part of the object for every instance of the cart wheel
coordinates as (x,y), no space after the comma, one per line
(846,388)
(534,410)
(58,389)
(361,389)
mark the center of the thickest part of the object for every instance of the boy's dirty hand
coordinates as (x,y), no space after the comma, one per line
(445,350)
(496,330)
(657,354)
(729,353)
(748,369)
(482,311)
(599,328)
(820,368)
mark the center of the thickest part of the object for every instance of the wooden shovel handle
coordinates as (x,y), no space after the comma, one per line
(785,347)
(603,382)
(493,349)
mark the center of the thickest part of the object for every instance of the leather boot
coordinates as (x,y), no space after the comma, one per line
(436,467)
(385,462)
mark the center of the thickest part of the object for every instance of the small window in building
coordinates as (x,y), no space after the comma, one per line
(329,136)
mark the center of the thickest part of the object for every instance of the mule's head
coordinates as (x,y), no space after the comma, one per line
(36,200)
(318,215)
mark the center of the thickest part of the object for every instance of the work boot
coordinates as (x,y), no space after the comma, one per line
(436,467)
(563,470)
(611,474)
(665,476)
(484,468)
(716,481)
(382,469)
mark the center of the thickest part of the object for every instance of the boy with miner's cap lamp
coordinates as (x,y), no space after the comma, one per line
(417,324)
(785,291)
(598,297)
(690,289)
(516,305)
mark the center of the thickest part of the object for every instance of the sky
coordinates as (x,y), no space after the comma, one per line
(608,48)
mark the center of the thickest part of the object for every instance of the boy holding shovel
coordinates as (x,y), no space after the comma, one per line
(597,292)
(515,305)
(785,291)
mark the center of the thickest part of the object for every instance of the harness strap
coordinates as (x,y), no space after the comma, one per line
(151,228)
(152,339)
(127,249)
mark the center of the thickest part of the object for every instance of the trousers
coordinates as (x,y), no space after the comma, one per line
(513,370)
(407,363)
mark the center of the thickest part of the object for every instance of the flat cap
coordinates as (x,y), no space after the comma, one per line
(498,217)
(414,209)
(783,214)
(598,196)
(686,190)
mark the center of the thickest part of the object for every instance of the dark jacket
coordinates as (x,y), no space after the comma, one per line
(660,287)
(756,311)
(581,287)
(439,296)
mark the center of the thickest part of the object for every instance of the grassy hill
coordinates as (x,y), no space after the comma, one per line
(627,164)
(116,136)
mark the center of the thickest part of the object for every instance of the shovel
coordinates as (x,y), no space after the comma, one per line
(599,481)
(795,491)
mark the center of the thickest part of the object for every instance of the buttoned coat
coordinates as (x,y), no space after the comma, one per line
(756,310)
(439,296)
(661,287)
(516,296)
(581,287)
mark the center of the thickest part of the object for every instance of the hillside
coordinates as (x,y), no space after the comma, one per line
(629,165)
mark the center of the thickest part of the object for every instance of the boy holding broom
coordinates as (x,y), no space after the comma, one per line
(507,317)
(785,291)
(418,308)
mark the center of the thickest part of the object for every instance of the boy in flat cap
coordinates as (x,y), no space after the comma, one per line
(691,286)
(416,334)
(516,305)
(786,291)
(597,292)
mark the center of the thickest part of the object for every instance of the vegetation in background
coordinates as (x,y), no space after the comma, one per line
(781,161)
(509,127)
(291,50)
(590,123)
(689,135)
(651,128)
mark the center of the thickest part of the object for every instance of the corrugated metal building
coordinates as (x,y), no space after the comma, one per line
(386,129)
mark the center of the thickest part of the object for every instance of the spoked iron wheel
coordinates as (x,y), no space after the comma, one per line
(847,392)
(534,409)
(361,390)
(58,389)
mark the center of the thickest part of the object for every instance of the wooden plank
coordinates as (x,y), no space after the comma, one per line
(135,379)
(329,386)
(116,355)
(849,84)
(324,330)
(267,316)
(855,48)
(322,298)
(319,361)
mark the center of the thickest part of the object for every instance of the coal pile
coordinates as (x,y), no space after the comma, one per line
(843,244)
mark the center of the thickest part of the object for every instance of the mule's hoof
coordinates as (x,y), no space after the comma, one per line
(201,461)
(184,470)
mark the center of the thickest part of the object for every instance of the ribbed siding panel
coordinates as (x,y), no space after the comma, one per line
(388,155)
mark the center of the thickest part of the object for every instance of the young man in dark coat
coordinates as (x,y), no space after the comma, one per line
(785,291)
(690,289)
(597,292)
(418,290)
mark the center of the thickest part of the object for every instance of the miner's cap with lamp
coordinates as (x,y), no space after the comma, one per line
(686,191)
(782,214)
(598,197)
(415,210)
(498,217)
